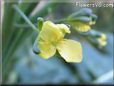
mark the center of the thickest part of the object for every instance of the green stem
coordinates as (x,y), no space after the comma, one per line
(25,18)
(23,26)
(6,60)
(7,24)
(15,41)
(26,25)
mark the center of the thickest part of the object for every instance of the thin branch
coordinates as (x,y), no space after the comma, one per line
(25,17)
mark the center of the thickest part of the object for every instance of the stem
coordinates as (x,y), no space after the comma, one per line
(35,24)
(7,24)
(23,26)
(25,17)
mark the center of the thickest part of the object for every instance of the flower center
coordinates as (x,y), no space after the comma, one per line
(55,42)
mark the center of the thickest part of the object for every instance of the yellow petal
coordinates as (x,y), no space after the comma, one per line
(102,40)
(70,50)
(47,50)
(103,37)
(50,32)
(80,26)
(64,28)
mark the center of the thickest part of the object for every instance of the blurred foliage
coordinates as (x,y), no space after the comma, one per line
(22,65)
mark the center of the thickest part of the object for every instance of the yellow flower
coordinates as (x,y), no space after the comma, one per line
(82,20)
(51,39)
(82,26)
(102,40)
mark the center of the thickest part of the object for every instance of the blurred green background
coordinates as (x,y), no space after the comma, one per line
(21,65)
